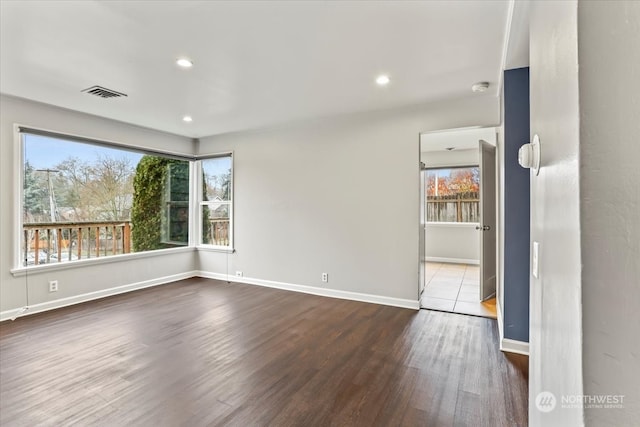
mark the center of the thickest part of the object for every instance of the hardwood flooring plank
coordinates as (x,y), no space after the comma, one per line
(202,352)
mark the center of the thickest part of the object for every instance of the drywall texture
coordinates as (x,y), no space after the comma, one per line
(335,195)
(516,206)
(87,279)
(453,242)
(556,324)
(608,47)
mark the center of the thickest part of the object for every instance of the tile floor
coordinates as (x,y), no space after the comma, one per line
(455,288)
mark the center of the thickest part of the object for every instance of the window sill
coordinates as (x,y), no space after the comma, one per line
(222,249)
(23,271)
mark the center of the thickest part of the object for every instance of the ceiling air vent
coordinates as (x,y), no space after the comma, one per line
(103,92)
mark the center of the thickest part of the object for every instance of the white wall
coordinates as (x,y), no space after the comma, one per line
(556,323)
(94,279)
(335,195)
(452,242)
(608,47)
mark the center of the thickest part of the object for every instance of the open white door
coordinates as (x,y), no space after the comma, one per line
(421,240)
(487,227)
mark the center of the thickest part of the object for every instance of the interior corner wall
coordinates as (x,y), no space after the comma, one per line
(516,206)
(555,341)
(608,40)
(79,281)
(338,195)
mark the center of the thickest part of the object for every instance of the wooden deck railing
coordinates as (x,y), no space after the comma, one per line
(53,242)
(50,242)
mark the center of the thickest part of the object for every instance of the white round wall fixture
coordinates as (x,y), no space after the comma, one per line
(529,155)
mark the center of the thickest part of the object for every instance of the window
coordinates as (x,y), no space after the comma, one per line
(88,200)
(175,227)
(216,207)
(453,194)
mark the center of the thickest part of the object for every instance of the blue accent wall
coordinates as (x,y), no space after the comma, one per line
(516,206)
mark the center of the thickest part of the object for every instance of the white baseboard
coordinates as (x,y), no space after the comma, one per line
(514,346)
(452,260)
(217,276)
(332,293)
(76,299)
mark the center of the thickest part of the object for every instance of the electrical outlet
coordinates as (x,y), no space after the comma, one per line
(53,286)
(239,273)
(325,277)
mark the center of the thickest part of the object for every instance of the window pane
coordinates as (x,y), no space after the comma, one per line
(217,178)
(216,224)
(85,201)
(175,219)
(453,194)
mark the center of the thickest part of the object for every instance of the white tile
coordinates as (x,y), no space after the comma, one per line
(473,275)
(444,284)
(469,296)
(470,287)
(445,279)
(438,304)
(439,292)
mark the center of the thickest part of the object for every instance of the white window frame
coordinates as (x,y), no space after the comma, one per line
(167,204)
(201,203)
(426,201)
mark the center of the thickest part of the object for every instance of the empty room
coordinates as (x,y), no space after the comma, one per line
(311,213)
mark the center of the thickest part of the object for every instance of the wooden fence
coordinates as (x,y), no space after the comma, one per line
(461,207)
(218,232)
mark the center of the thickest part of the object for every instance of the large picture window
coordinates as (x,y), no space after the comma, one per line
(86,200)
(216,206)
(453,194)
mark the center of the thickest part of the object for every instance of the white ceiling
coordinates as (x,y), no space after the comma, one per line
(257,64)
(518,45)
(459,139)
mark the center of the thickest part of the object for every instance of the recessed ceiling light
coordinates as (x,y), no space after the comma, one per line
(184,63)
(480,87)
(382,80)
(187,119)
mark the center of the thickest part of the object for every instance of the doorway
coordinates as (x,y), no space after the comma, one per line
(455,288)
(458,221)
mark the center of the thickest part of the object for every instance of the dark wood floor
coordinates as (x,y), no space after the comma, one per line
(202,352)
